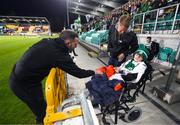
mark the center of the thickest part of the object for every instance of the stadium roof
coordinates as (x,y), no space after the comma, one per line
(23,20)
(93,7)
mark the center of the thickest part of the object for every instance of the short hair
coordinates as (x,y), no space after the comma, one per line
(148,37)
(68,34)
(125,20)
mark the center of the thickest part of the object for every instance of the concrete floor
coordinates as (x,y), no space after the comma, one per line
(151,114)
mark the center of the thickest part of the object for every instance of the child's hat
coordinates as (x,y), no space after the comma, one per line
(143,51)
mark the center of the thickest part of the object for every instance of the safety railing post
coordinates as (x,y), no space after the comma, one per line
(157,15)
(142,27)
(155,27)
(177,7)
(133,23)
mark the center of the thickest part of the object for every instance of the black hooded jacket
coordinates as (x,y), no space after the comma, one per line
(37,61)
(126,43)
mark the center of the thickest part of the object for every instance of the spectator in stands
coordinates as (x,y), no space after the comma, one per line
(153,48)
(138,5)
(35,64)
(129,8)
(163,3)
(155,4)
(133,9)
(145,6)
(121,42)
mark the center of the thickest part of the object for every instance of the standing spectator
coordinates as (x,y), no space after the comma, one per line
(121,42)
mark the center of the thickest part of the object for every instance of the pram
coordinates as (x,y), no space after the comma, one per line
(128,94)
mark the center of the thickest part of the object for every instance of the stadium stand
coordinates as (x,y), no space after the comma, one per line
(12,25)
(148,18)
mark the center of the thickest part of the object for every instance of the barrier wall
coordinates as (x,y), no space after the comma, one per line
(170,40)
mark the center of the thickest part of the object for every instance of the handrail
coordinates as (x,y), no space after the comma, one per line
(156,21)
(158,9)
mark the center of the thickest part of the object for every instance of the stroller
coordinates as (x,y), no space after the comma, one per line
(119,107)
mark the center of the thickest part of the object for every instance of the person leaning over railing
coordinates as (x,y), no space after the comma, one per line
(35,65)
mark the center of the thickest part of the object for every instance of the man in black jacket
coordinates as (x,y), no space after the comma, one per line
(121,42)
(35,64)
(153,48)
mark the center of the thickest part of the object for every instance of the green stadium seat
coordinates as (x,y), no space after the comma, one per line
(161,26)
(88,39)
(83,36)
(165,54)
(172,56)
(80,38)
(89,33)
(96,38)
(162,56)
(178,16)
(168,50)
(141,45)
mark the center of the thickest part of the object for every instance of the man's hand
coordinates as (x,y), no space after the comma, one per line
(99,72)
(121,57)
(117,69)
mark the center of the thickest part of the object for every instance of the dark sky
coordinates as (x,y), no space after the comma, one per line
(53,10)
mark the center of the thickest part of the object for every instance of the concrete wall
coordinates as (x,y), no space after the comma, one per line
(165,40)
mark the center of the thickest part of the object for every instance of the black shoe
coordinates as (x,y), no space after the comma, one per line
(75,54)
(95,105)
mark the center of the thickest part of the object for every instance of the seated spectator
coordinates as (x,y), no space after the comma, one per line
(155,4)
(163,3)
(153,48)
(106,85)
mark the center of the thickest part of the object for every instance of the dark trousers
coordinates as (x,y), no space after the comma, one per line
(32,95)
(115,62)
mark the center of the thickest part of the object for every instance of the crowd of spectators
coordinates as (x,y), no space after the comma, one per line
(132,7)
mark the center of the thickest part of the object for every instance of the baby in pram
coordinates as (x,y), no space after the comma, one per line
(105,87)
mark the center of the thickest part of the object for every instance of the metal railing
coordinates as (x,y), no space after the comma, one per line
(159,22)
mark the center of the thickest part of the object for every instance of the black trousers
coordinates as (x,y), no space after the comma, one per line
(32,95)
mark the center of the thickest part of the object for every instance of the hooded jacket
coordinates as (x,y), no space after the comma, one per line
(38,60)
(126,43)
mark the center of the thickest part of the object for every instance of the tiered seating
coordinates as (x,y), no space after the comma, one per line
(149,27)
(96,38)
(86,34)
(13,25)
(164,20)
(93,37)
